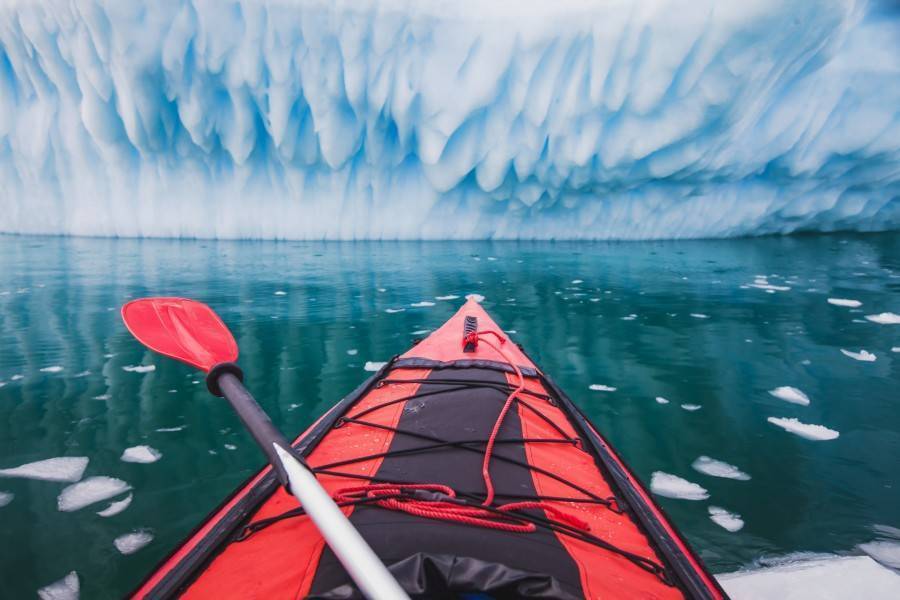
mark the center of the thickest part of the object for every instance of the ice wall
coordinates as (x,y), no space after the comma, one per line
(437,119)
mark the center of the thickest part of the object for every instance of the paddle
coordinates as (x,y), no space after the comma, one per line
(189,331)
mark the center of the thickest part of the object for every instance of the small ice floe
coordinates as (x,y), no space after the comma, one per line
(726,520)
(420,332)
(599,387)
(845,302)
(886,318)
(91,490)
(630,317)
(229,446)
(661,400)
(863,355)
(115,508)
(102,397)
(16,377)
(691,407)
(52,369)
(352,352)
(717,468)
(2,383)
(280,293)
(447,297)
(476,297)
(132,542)
(672,486)
(67,588)
(6,498)
(171,429)
(373,366)
(804,430)
(492,258)
(64,468)
(391,311)
(699,316)
(422,304)
(139,368)
(790,394)
(294,406)
(82,374)
(577,281)
(895,349)
(382,290)
(762,283)
(141,454)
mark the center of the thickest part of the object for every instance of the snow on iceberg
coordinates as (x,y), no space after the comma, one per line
(406,119)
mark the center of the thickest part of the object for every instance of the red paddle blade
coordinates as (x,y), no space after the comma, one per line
(182,329)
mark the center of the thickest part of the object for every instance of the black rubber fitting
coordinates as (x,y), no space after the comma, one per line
(212,378)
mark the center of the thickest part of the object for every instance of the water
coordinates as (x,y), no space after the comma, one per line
(59,301)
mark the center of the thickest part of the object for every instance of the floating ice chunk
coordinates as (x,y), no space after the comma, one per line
(141,454)
(394,310)
(382,290)
(476,297)
(885,318)
(447,297)
(67,588)
(132,542)
(230,446)
(699,316)
(115,508)
(804,430)
(63,468)
(599,387)
(672,486)
(82,374)
(863,355)
(492,258)
(2,383)
(420,332)
(845,302)
(16,377)
(790,394)
(6,498)
(91,490)
(691,407)
(577,281)
(352,352)
(630,317)
(763,284)
(52,369)
(373,366)
(717,468)
(102,397)
(661,400)
(171,429)
(139,368)
(895,349)
(727,520)
(281,293)
(422,304)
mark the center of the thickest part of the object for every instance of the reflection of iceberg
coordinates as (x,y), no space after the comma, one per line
(394,118)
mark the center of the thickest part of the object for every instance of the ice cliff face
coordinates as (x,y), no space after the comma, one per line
(438,119)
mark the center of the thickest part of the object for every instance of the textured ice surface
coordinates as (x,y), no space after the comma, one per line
(66,588)
(845,302)
(141,454)
(727,520)
(599,387)
(91,490)
(862,355)
(885,318)
(672,486)
(115,508)
(64,468)
(885,552)
(373,366)
(132,542)
(406,119)
(790,394)
(804,430)
(6,498)
(139,368)
(717,468)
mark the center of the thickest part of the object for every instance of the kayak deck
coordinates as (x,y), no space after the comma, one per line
(413,456)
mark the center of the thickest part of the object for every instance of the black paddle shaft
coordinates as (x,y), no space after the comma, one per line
(254,419)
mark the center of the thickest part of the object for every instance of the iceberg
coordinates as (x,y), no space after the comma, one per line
(403,119)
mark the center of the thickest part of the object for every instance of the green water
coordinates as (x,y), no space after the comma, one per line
(59,301)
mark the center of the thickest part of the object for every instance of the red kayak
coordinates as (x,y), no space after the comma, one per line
(469,473)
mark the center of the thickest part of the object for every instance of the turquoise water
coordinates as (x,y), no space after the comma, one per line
(298,309)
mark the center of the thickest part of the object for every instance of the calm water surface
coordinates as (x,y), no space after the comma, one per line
(677,320)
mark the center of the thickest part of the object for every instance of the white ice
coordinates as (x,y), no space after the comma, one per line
(699,316)
(661,400)
(141,454)
(171,429)
(89,491)
(373,366)
(422,304)
(862,355)
(790,394)
(394,310)
(727,520)
(116,507)
(804,430)
(447,297)
(67,588)
(845,302)
(280,293)
(475,297)
(352,352)
(672,486)
(52,369)
(717,468)
(64,468)
(599,387)
(691,407)
(132,542)
(139,368)
(6,498)
(885,318)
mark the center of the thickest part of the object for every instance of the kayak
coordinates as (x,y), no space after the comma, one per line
(469,473)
